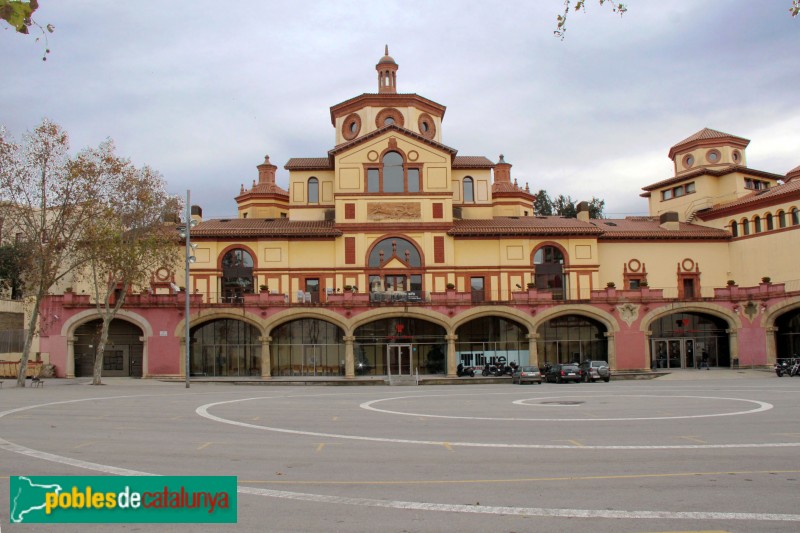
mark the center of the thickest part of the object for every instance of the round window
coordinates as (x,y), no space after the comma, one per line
(351,126)
(736,156)
(713,156)
(425,127)
(387,121)
(688,161)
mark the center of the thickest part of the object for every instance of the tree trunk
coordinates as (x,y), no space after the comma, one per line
(101,348)
(26,350)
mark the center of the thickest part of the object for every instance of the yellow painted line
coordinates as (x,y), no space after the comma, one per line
(335,418)
(692,438)
(522,480)
(84,445)
(575,442)
(321,445)
(256,418)
(447,446)
(694,531)
(204,445)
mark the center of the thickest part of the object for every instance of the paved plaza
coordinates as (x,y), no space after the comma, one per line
(694,451)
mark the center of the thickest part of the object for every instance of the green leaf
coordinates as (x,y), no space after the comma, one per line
(17,14)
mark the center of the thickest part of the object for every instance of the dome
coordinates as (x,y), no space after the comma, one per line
(386,57)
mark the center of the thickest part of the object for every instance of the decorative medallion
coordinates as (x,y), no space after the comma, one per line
(634,265)
(372,155)
(687,265)
(413,155)
(628,313)
(162,274)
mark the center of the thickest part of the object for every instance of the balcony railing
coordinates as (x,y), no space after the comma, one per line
(448,297)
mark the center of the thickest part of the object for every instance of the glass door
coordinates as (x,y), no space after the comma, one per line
(399,356)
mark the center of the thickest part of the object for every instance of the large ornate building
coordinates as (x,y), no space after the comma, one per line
(393,254)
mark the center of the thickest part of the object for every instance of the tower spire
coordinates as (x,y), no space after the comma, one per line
(387,73)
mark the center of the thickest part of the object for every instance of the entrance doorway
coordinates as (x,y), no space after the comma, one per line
(676,353)
(399,359)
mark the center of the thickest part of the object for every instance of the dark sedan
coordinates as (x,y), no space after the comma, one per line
(563,373)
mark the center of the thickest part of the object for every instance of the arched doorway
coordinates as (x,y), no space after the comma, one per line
(787,334)
(307,347)
(123,355)
(400,346)
(680,340)
(225,347)
(571,338)
(492,340)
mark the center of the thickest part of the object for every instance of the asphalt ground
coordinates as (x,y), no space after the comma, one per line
(701,453)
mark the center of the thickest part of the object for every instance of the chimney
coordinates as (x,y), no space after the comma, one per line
(197,213)
(583,211)
(502,171)
(669,221)
(266,172)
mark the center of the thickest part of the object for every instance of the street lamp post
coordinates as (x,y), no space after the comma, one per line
(185,232)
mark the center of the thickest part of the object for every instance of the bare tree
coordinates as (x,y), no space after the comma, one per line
(47,199)
(129,239)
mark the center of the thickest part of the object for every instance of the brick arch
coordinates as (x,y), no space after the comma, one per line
(209,315)
(237,246)
(389,236)
(509,313)
(714,310)
(288,315)
(555,245)
(422,314)
(74,322)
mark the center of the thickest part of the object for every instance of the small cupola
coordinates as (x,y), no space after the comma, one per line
(387,73)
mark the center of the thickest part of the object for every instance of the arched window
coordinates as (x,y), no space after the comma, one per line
(757,224)
(770,222)
(395,271)
(393,172)
(313,190)
(548,264)
(781,219)
(393,175)
(734,228)
(237,275)
(795,216)
(469,190)
(745,226)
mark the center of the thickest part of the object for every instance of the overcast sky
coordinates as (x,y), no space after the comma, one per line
(202,90)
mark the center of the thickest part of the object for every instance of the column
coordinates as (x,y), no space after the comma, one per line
(69,372)
(145,363)
(349,358)
(451,355)
(733,342)
(772,348)
(533,349)
(266,359)
(611,346)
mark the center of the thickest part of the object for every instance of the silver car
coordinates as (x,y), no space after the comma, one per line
(526,374)
(591,371)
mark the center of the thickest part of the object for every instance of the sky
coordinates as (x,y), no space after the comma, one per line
(202,90)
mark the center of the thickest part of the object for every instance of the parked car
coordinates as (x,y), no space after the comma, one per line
(591,371)
(562,373)
(526,374)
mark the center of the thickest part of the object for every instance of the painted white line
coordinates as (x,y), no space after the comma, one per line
(520,511)
(203,411)
(397,504)
(762,406)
